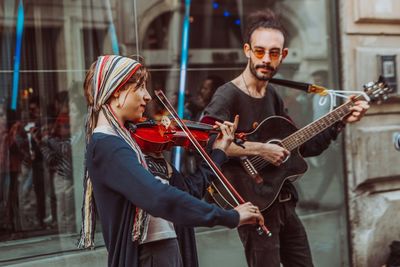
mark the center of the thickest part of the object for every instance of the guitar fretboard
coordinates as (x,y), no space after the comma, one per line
(303,135)
(373,90)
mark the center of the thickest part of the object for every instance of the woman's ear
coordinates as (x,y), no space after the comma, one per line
(116,94)
(116,97)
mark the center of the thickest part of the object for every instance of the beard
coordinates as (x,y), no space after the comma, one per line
(260,76)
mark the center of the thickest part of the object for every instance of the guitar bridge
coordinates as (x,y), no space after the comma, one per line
(251,170)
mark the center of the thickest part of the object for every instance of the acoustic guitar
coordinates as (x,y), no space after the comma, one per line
(260,182)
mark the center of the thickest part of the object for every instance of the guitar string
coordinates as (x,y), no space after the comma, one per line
(258,162)
(326,121)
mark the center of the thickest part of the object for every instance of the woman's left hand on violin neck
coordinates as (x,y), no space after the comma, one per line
(226,135)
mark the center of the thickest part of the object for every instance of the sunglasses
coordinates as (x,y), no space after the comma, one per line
(274,53)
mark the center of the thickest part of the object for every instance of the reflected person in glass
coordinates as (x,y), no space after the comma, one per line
(56,147)
(252,97)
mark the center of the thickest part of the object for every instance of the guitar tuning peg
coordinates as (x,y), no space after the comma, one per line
(368,85)
(375,97)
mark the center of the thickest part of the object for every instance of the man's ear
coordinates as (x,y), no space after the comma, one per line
(285,52)
(246,50)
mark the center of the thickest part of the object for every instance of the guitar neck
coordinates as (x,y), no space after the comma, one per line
(303,135)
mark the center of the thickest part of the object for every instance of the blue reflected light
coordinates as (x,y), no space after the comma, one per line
(215,5)
(114,39)
(226,13)
(111,29)
(17,55)
(237,21)
(182,81)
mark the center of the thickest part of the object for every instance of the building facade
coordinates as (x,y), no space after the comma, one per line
(349,198)
(369,35)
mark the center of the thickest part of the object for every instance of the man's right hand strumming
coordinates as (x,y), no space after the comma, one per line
(273,153)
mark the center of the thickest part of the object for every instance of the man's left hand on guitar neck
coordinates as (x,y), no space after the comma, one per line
(358,111)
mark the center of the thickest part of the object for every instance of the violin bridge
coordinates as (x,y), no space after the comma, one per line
(165,121)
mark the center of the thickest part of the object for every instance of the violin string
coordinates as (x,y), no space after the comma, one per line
(194,142)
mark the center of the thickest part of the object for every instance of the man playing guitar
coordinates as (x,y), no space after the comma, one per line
(252,97)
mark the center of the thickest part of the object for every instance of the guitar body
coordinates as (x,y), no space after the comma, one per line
(261,192)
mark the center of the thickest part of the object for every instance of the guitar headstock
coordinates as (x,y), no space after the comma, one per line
(378,91)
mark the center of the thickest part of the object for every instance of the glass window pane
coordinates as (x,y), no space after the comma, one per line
(41,183)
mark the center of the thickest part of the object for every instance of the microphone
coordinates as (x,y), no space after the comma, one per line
(396,140)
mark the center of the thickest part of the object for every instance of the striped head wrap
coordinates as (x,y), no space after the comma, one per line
(110,75)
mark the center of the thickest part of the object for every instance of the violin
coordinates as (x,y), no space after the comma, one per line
(153,136)
(261,229)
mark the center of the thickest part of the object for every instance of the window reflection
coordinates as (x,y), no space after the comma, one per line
(156,36)
(37,181)
(42,142)
(215,24)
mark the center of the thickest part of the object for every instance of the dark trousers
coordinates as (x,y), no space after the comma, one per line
(287,245)
(160,254)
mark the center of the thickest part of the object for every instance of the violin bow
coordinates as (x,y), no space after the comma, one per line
(227,185)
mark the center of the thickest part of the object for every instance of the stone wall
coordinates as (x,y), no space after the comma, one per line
(368,29)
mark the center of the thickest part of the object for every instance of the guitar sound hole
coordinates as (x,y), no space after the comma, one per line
(279,143)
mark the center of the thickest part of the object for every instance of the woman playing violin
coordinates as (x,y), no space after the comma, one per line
(143,215)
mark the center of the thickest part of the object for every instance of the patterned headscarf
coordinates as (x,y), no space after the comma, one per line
(111,74)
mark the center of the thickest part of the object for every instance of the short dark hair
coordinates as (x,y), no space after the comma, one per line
(263,19)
